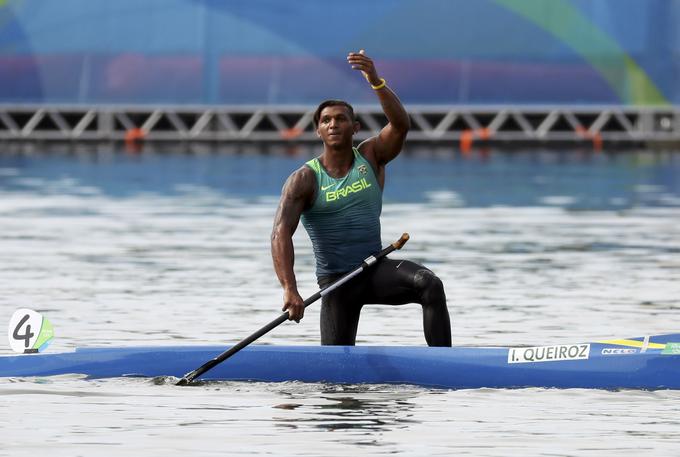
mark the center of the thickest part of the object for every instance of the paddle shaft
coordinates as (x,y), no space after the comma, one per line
(189,377)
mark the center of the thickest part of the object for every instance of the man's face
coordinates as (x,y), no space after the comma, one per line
(336,127)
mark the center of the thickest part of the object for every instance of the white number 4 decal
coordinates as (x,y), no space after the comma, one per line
(29,331)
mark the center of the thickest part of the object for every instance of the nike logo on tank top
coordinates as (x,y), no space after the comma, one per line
(344,221)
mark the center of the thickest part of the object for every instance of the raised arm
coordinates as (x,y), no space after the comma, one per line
(389,142)
(296,195)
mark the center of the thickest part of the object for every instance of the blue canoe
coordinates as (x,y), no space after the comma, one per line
(635,363)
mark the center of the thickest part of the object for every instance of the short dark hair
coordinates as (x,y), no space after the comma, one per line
(327,103)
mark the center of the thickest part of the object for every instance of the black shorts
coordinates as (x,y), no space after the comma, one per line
(389,282)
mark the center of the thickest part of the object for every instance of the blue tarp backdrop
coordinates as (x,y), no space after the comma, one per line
(293,51)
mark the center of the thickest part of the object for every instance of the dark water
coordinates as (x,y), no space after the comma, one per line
(168,248)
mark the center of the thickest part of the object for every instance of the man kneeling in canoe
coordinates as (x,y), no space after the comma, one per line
(338,196)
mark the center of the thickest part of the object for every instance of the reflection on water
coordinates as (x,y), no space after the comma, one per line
(160,248)
(337,407)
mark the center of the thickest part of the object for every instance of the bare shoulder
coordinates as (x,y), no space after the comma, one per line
(300,180)
(367,149)
(300,186)
(385,146)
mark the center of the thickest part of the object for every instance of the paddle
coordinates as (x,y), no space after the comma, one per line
(189,377)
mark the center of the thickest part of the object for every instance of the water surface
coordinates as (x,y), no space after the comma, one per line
(165,248)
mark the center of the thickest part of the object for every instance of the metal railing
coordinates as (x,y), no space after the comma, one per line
(462,124)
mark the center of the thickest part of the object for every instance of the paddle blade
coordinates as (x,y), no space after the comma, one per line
(189,377)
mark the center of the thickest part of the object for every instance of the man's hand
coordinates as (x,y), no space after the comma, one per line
(360,61)
(388,143)
(293,302)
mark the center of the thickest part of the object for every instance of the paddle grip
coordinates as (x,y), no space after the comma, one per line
(401,241)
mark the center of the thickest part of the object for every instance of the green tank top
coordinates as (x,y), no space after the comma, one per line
(344,221)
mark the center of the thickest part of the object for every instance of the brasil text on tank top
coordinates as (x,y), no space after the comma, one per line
(344,221)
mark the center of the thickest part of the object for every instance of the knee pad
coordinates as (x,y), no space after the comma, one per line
(428,283)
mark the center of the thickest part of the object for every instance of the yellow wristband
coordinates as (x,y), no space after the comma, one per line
(382,84)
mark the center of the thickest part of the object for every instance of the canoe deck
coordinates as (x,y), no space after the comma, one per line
(636,363)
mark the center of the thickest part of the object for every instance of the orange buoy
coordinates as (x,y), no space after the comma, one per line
(466,138)
(291,134)
(133,139)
